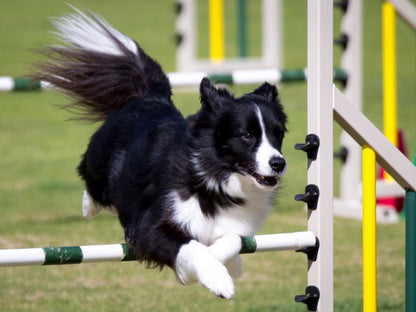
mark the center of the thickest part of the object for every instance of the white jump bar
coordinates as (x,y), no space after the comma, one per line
(120,252)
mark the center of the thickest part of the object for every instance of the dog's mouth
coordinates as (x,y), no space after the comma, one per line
(267,181)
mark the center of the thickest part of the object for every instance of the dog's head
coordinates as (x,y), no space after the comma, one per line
(241,135)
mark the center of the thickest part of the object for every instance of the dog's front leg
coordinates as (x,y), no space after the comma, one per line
(226,249)
(195,262)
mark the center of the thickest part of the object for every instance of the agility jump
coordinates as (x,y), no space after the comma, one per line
(326,103)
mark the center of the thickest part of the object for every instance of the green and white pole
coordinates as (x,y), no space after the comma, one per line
(21,84)
(120,252)
(193,79)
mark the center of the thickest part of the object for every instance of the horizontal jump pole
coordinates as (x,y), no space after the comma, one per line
(246,77)
(193,79)
(120,252)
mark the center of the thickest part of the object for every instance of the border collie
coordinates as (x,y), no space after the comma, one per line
(185,189)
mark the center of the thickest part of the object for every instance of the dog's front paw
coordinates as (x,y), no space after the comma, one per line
(195,263)
(214,276)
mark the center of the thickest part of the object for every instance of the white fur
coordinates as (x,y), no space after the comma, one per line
(81,31)
(233,186)
(91,208)
(188,215)
(266,151)
(240,220)
(246,219)
(195,263)
(226,250)
(220,233)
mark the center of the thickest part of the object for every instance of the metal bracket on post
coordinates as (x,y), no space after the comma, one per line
(310,146)
(310,197)
(342,40)
(342,4)
(310,298)
(342,154)
(311,252)
(178,7)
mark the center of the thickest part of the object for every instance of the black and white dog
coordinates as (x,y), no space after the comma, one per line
(185,190)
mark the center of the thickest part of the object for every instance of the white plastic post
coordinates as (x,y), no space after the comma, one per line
(272,33)
(320,171)
(185,26)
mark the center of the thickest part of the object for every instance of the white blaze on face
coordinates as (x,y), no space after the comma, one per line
(265,151)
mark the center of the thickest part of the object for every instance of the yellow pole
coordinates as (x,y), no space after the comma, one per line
(389,74)
(216,30)
(369,230)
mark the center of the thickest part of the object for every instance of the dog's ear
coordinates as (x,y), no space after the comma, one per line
(268,91)
(211,97)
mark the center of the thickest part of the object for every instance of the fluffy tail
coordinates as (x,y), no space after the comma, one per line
(100,68)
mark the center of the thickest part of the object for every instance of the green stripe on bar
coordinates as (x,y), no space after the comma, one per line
(300,75)
(222,78)
(248,245)
(292,75)
(128,254)
(62,255)
(340,75)
(23,84)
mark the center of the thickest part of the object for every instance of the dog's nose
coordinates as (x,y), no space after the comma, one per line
(277,163)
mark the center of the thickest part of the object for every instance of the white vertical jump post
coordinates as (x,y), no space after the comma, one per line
(320,171)
(349,202)
(326,103)
(187,60)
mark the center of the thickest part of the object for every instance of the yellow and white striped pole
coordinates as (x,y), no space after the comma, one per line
(369,230)
(389,74)
(216,30)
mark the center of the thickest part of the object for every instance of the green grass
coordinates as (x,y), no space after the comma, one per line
(40,192)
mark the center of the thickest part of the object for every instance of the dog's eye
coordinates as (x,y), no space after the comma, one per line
(248,138)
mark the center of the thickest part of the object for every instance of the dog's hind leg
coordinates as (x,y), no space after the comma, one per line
(90,208)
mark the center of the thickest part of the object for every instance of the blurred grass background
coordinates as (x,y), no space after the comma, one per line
(40,193)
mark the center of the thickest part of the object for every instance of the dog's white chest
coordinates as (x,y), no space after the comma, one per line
(242,220)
